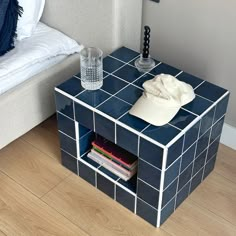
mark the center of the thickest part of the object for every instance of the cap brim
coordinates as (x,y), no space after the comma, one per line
(152,112)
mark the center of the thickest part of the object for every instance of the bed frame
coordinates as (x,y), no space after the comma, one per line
(106,24)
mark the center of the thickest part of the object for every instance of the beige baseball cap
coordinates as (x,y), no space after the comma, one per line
(162,98)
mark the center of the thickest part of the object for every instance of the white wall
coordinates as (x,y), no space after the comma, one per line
(199,37)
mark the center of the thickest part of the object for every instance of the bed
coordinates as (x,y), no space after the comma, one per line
(92,23)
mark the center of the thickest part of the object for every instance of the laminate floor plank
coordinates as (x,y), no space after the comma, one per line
(23,214)
(94,212)
(31,168)
(217,195)
(45,140)
(226,163)
(192,220)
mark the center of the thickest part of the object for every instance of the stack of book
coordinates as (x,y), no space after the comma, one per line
(112,157)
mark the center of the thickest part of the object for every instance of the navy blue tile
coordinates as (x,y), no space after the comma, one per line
(171,173)
(108,173)
(151,153)
(112,84)
(87,173)
(206,121)
(210,91)
(198,105)
(146,212)
(64,105)
(163,134)
(68,144)
(182,119)
(71,86)
(149,174)
(130,94)
(165,69)
(93,98)
(141,80)
(169,193)
(189,79)
(167,211)
(105,185)
(191,135)
(133,122)
(217,129)
(127,140)
(188,157)
(182,194)
(125,198)
(202,142)
(105,74)
(85,143)
(209,167)
(83,130)
(84,116)
(131,184)
(91,162)
(197,179)
(199,162)
(124,54)
(148,194)
(66,125)
(185,176)
(213,149)
(221,108)
(128,73)
(69,162)
(111,64)
(114,107)
(105,127)
(174,151)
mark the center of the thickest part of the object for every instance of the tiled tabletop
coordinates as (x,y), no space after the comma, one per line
(123,86)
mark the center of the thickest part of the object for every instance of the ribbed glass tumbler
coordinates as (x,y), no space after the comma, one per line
(91,67)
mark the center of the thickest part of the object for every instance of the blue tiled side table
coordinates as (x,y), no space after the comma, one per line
(172,159)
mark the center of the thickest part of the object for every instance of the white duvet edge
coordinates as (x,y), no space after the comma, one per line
(72,51)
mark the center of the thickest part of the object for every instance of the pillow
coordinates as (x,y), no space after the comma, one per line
(8,24)
(3,10)
(33,10)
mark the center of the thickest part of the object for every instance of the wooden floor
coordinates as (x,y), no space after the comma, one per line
(40,197)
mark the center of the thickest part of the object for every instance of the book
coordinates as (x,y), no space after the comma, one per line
(108,167)
(114,152)
(103,160)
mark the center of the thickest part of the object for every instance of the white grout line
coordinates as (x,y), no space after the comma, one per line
(115,133)
(174,161)
(179,73)
(68,153)
(66,135)
(135,204)
(204,98)
(174,126)
(147,203)
(179,172)
(64,115)
(94,122)
(199,84)
(148,184)
(165,153)
(169,202)
(149,163)
(77,139)
(189,111)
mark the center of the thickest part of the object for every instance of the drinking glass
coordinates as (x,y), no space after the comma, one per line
(91,67)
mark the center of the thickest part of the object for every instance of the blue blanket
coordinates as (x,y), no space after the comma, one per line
(9,13)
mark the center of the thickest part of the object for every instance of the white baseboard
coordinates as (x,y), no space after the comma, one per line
(228,136)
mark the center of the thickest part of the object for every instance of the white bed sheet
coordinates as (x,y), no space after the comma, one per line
(45,48)
(22,75)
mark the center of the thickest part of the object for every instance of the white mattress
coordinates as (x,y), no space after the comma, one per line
(45,48)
